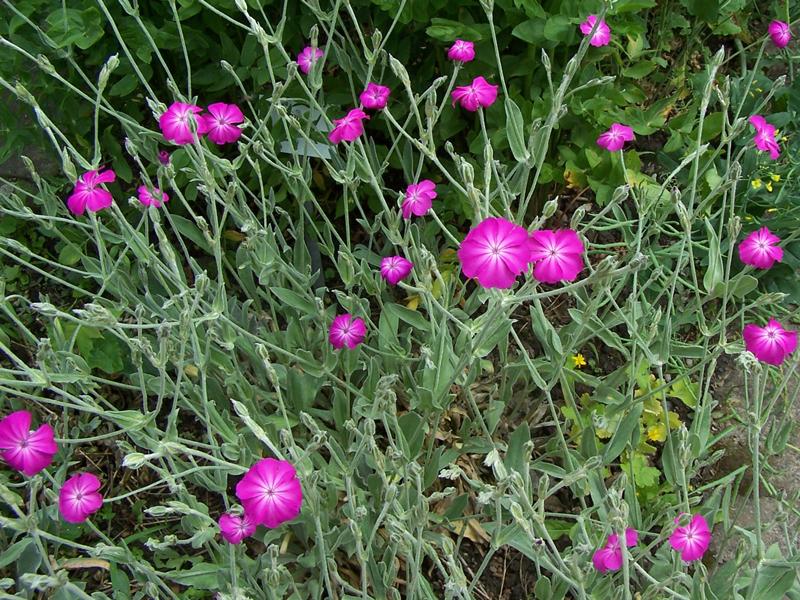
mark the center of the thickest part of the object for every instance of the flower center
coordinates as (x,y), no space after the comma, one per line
(496,250)
(23,443)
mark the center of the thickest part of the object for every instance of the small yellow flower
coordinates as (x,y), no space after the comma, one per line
(775,177)
(772,210)
(657,433)
(579,361)
(768,185)
(784,139)
(756,183)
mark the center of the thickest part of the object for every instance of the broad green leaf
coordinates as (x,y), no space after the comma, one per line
(411,317)
(715,270)
(295,300)
(14,551)
(515,131)
(628,426)
(773,581)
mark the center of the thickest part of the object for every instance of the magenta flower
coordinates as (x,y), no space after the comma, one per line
(478,93)
(88,194)
(270,492)
(765,138)
(152,197)
(495,252)
(23,449)
(602,35)
(691,540)
(557,255)
(349,127)
(347,330)
(176,123)
(163,157)
(79,497)
(780,33)
(395,268)
(614,139)
(307,58)
(760,250)
(461,51)
(609,557)
(235,528)
(221,123)
(419,198)
(375,96)
(770,344)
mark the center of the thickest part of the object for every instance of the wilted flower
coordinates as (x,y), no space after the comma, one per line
(691,540)
(609,557)
(614,139)
(152,197)
(163,157)
(461,51)
(395,268)
(495,252)
(25,450)
(419,198)
(765,138)
(478,93)
(347,330)
(602,35)
(780,33)
(557,255)
(79,497)
(349,127)
(375,96)
(760,250)
(770,344)
(270,492)
(221,124)
(235,528)
(176,122)
(307,58)
(88,194)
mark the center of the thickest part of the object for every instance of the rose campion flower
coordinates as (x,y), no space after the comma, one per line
(307,58)
(495,252)
(691,540)
(478,93)
(176,122)
(347,330)
(760,250)
(23,449)
(375,96)
(462,51)
(614,139)
(152,197)
(88,194)
(395,268)
(221,123)
(163,157)
(609,557)
(270,492)
(602,35)
(79,497)
(765,136)
(349,127)
(770,344)
(557,255)
(419,198)
(780,33)
(235,528)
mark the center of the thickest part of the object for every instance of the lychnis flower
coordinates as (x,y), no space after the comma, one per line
(88,193)
(349,127)
(602,35)
(760,249)
(235,528)
(23,449)
(79,497)
(765,138)
(151,197)
(495,252)
(478,93)
(557,254)
(419,198)
(614,139)
(270,492)
(770,344)
(176,122)
(375,96)
(461,51)
(221,123)
(609,557)
(780,33)
(347,330)
(307,58)
(395,268)
(691,540)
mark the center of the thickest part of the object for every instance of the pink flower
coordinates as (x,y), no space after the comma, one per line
(221,123)
(691,540)
(609,557)
(79,497)
(176,123)
(602,35)
(770,344)
(780,33)
(419,198)
(478,93)
(89,194)
(375,96)
(395,268)
(163,157)
(347,330)
(759,249)
(461,51)
(152,197)
(349,127)
(614,139)
(495,252)
(557,255)
(765,136)
(270,492)
(235,528)
(307,58)
(25,450)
